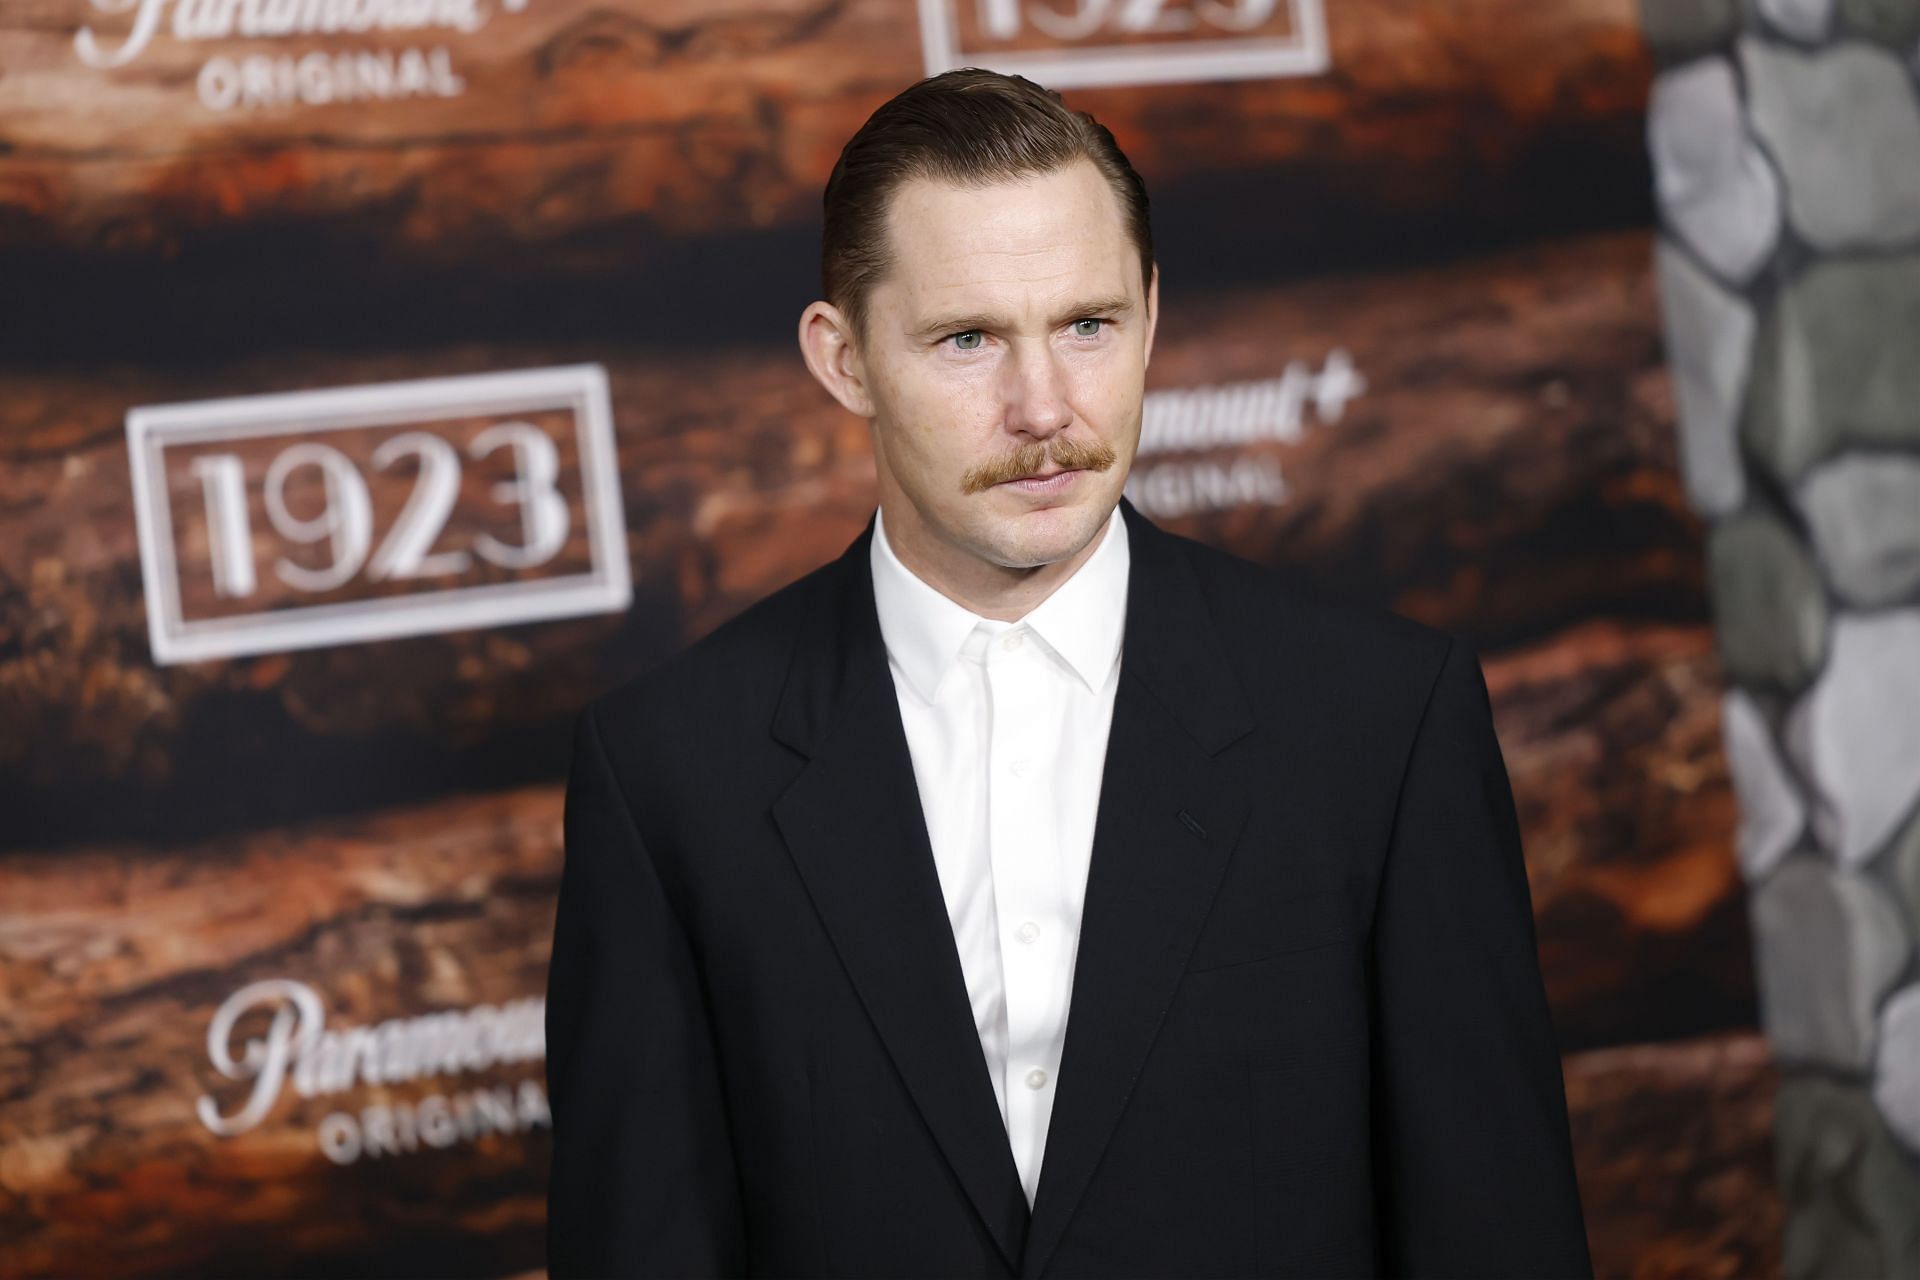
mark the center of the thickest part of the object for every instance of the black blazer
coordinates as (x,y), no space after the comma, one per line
(1307,1033)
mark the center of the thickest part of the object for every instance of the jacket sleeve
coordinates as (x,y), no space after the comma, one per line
(643,1179)
(1471,1150)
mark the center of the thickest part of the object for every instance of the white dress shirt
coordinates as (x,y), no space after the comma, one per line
(1007,725)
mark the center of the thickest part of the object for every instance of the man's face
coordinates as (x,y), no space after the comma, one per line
(1005,356)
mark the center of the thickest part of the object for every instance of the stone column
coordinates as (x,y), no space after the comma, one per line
(1786,146)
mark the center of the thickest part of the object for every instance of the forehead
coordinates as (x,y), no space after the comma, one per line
(1009,243)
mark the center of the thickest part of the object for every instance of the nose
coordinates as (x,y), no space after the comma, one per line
(1036,393)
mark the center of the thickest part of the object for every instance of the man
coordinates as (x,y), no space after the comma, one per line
(1030,891)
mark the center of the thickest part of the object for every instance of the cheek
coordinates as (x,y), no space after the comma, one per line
(941,425)
(952,402)
(1106,389)
(961,390)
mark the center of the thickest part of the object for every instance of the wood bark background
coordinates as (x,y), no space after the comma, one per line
(1460,204)
(112,963)
(1509,474)
(116,958)
(1508,471)
(592,131)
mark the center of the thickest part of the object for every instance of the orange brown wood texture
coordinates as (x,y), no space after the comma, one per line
(1508,474)
(585,130)
(381,820)
(1673,1144)
(115,960)
(112,963)
(1508,471)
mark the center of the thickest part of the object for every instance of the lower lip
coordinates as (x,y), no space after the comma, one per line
(1041,487)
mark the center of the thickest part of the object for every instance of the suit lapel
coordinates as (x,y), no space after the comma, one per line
(853,823)
(1168,818)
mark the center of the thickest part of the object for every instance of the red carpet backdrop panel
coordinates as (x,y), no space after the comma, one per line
(382,379)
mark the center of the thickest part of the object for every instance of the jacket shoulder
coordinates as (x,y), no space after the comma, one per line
(1277,626)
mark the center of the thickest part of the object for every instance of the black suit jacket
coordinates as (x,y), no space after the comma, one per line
(1307,1033)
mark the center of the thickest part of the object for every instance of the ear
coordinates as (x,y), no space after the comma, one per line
(1153,310)
(826,343)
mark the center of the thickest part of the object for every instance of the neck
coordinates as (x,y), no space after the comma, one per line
(979,586)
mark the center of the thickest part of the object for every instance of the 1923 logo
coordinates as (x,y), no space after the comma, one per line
(1081,43)
(325,517)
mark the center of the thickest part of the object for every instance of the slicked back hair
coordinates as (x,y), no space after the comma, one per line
(966,128)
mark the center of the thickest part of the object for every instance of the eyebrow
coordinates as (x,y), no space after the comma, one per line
(1118,305)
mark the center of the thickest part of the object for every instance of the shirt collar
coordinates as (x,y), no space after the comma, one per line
(1082,620)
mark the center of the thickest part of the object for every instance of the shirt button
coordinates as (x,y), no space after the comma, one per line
(1012,640)
(1018,768)
(1027,932)
(1036,1079)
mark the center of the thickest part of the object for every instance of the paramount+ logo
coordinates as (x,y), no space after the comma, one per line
(273,1034)
(1091,43)
(394,49)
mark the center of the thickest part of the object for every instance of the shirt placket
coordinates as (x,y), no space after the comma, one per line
(1021,833)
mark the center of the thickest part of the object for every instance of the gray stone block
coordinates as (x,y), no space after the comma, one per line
(1863,511)
(1850,1192)
(1678,27)
(1709,342)
(1894,22)
(1896,1081)
(1835,361)
(1856,734)
(1717,189)
(1801,19)
(1770,610)
(1772,814)
(1829,946)
(1844,126)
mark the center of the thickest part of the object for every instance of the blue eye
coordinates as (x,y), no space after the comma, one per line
(1087,328)
(969,340)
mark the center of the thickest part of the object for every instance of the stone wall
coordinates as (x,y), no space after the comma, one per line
(1786,145)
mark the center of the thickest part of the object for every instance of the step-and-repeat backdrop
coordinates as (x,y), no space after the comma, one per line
(381,379)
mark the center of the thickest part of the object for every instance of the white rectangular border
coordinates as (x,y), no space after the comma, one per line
(606,587)
(1305,53)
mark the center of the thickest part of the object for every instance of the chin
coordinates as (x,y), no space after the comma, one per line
(1034,538)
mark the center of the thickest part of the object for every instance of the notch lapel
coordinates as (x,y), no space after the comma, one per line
(1169,816)
(853,823)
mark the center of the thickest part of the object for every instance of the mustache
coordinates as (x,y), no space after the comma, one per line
(1031,459)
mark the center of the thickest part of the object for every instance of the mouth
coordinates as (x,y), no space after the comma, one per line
(1046,482)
